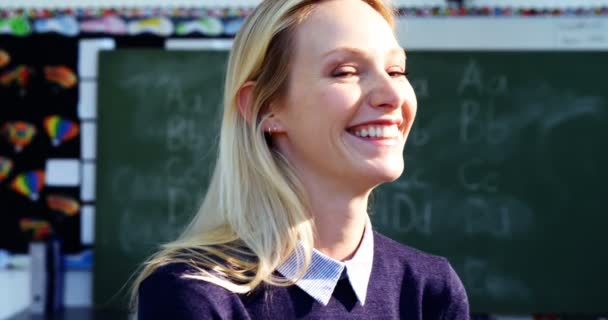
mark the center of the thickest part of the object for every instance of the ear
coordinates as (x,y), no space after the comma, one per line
(273,125)
(272,115)
(244,100)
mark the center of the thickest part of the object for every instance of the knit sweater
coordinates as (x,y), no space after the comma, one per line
(405,283)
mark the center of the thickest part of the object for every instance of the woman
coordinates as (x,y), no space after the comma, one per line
(317,112)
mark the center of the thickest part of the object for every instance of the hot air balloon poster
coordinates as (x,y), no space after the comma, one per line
(60,129)
(68,206)
(19,134)
(6,167)
(40,229)
(38,99)
(29,184)
(5,58)
(18,76)
(63,76)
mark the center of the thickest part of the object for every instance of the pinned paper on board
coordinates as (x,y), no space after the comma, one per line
(29,184)
(60,129)
(64,25)
(5,58)
(61,75)
(62,172)
(40,229)
(111,24)
(6,167)
(18,76)
(19,134)
(208,26)
(17,25)
(40,134)
(68,206)
(160,26)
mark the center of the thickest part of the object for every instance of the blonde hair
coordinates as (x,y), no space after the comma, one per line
(254,213)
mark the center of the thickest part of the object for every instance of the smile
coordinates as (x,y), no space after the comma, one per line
(376,131)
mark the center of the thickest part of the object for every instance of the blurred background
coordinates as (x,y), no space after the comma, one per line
(109,113)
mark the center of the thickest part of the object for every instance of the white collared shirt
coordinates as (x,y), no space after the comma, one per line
(323,274)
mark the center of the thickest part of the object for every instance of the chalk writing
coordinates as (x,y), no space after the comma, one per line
(472,180)
(408,217)
(184,133)
(477,123)
(129,184)
(481,278)
(483,217)
(472,79)
(177,101)
(399,212)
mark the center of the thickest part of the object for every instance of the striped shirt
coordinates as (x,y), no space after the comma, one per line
(323,274)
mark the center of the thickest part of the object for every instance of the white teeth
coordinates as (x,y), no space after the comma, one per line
(391,131)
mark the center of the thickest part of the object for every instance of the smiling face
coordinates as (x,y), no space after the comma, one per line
(348,107)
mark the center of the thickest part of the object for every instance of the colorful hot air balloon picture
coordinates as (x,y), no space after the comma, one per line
(19,134)
(39,228)
(19,76)
(60,129)
(5,58)
(6,166)
(61,75)
(29,184)
(66,205)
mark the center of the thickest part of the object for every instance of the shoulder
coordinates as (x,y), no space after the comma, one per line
(409,259)
(168,294)
(429,278)
(174,277)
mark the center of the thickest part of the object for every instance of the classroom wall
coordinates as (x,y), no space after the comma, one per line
(244,3)
(503,33)
(577,33)
(15,290)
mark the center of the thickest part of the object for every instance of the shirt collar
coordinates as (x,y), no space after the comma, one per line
(323,274)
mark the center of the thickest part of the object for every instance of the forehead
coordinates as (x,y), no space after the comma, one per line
(344,23)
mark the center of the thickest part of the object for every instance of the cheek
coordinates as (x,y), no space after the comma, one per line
(339,103)
(410,105)
(322,109)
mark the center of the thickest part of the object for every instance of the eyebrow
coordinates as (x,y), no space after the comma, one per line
(359,52)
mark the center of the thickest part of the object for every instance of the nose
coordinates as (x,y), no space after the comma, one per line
(386,91)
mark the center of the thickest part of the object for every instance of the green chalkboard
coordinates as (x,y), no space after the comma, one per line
(505,169)
(158,120)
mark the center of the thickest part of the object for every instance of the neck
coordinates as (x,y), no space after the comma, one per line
(338,207)
(340,220)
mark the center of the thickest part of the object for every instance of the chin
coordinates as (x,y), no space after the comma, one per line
(393,175)
(388,172)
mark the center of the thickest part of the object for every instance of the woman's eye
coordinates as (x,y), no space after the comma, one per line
(344,72)
(398,73)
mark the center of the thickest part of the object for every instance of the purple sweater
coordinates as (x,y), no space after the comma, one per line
(405,283)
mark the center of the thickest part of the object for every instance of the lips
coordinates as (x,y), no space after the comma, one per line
(379,129)
(376,131)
